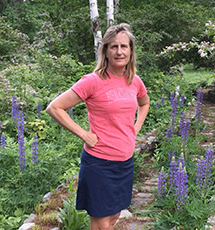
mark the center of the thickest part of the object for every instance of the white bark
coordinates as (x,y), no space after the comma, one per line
(110,12)
(94,16)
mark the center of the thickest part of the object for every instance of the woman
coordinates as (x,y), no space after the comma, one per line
(112,94)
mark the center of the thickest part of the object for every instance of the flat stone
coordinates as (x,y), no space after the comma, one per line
(149,189)
(26,226)
(211,220)
(30,219)
(47,196)
(61,186)
(125,214)
(135,225)
(143,195)
(209,123)
(137,201)
(151,183)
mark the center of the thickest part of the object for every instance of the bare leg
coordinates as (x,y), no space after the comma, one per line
(103,223)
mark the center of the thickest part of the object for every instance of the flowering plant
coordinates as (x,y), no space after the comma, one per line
(204,48)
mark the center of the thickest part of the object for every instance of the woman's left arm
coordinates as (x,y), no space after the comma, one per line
(143,108)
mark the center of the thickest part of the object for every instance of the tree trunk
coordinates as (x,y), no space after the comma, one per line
(94,16)
(110,12)
(116,7)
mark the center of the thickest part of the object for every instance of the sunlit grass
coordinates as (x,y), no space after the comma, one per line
(201,75)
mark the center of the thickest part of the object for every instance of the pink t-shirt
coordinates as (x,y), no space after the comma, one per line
(111,105)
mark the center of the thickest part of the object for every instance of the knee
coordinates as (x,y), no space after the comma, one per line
(99,224)
(103,223)
(114,218)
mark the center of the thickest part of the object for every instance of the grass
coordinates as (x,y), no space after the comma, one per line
(201,75)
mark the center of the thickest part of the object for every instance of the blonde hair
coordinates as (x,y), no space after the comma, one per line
(109,36)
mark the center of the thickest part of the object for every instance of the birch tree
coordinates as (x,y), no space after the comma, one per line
(94,17)
(110,12)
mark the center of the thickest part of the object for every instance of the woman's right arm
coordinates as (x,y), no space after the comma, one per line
(57,109)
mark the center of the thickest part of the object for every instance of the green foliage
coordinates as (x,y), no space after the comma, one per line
(38,126)
(13,44)
(71,218)
(194,215)
(26,17)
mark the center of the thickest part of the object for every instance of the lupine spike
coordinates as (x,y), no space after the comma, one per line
(168,133)
(20,129)
(172,174)
(2,141)
(161,183)
(162,101)
(181,187)
(181,160)
(181,101)
(34,156)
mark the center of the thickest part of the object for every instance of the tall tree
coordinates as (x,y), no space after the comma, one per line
(94,16)
(110,12)
(116,7)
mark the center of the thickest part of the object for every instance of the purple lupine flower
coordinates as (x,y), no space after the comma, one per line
(181,187)
(208,165)
(204,171)
(168,133)
(14,108)
(185,131)
(170,155)
(181,160)
(34,156)
(162,101)
(181,100)
(157,104)
(161,183)
(172,96)
(2,141)
(199,105)
(39,110)
(21,143)
(172,174)
(181,123)
(70,112)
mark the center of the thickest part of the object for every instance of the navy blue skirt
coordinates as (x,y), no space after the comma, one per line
(104,187)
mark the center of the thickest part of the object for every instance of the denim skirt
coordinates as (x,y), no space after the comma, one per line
(104,186)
